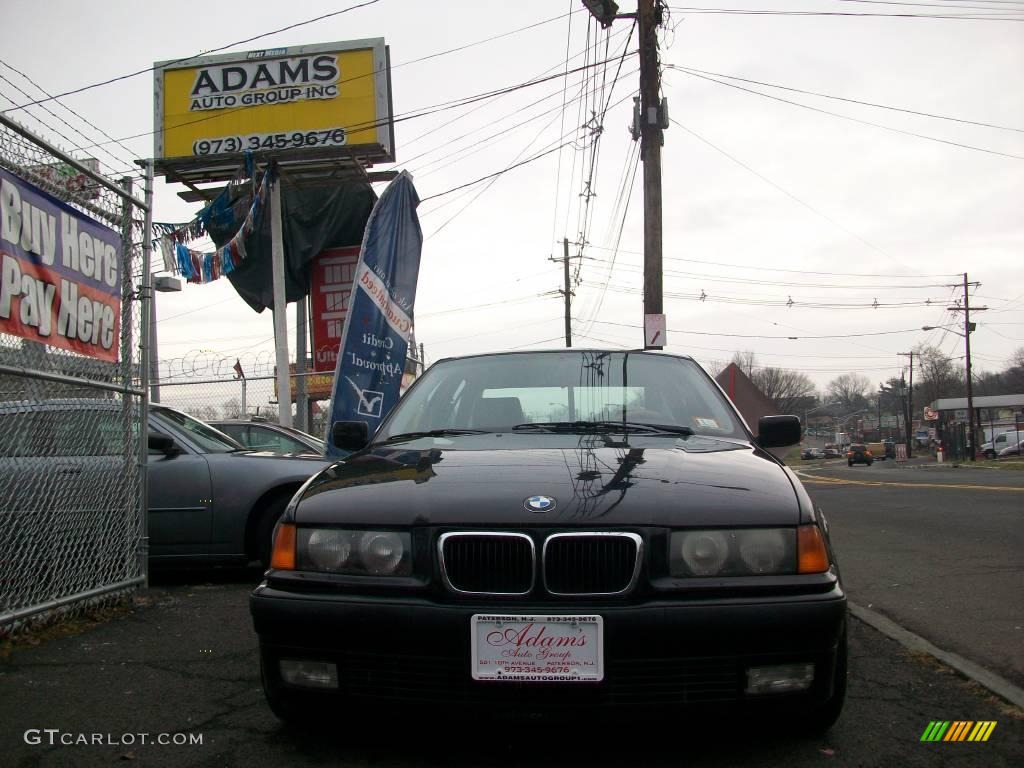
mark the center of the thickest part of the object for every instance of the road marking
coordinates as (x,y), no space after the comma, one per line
(840,481)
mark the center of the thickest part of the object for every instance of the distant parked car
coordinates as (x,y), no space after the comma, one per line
(812,453)
(1015,449)
(831,452)
(262,435)
(1000,442)
(859,454)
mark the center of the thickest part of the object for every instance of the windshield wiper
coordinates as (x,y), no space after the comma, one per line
(602,426)
(434,433)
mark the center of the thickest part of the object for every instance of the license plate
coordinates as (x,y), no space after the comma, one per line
(563,649)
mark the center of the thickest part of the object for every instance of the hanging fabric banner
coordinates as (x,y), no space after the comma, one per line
(200,267)
(378,327)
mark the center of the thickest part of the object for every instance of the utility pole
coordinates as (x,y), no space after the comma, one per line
(650,122)
(968,327)
(566,292)
(910,404)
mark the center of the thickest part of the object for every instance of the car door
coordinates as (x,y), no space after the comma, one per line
(180,499)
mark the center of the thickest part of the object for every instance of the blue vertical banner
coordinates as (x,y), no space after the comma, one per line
(378,327)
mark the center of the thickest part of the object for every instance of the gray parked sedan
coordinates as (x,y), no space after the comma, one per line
(261,435)
(210,499)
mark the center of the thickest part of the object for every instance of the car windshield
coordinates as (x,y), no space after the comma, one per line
(572,390)
(206,437)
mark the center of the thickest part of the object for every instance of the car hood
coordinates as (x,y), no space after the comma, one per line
(691,482)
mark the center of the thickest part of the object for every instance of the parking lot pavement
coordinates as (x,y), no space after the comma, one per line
(184,661)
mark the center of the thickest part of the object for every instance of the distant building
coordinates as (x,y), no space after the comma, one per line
(751,402)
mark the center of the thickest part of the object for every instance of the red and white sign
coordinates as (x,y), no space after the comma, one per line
(654,331)
(331,294)
(537,648)
(60,273)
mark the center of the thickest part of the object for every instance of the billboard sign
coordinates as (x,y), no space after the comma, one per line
(60,273)
(330,293)
(332,95)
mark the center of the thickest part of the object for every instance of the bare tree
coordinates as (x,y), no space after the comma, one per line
(937,375)
(232,408)
(789,390)
(850,389)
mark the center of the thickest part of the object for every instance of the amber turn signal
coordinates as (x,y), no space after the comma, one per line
(812,556)
(283,555)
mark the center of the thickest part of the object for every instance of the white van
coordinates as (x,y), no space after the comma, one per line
(1003,440)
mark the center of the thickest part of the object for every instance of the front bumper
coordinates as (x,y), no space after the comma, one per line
(658,654)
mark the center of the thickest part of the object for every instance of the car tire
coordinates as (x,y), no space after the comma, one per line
(270,513)
(849,463)
(990,454)
(870,463)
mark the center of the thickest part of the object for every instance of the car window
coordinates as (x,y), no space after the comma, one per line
(239,432)
(206,437)
(497,392)
(265,439)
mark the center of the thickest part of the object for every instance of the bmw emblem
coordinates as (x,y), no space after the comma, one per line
(539,504)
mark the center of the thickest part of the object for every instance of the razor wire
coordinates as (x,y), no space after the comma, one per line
(71,501)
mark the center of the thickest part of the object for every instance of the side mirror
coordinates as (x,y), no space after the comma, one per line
(350,435)
(163,444)
(778,431)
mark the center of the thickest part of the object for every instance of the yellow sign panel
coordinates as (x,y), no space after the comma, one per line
(314,97)
(319,386)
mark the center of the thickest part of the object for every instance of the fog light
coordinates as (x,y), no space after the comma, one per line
(779,678)
(309,674)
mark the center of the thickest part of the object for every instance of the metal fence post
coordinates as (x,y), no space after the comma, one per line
(145,351)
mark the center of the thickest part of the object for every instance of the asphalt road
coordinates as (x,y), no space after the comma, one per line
(940,550)
(186,663)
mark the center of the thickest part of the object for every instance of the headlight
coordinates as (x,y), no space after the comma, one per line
(744,552)
(364,553)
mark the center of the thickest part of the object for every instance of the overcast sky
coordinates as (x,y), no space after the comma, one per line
(764,201)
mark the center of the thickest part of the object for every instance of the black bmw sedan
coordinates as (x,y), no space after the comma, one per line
(541,531)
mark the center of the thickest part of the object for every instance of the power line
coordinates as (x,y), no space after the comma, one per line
(852,119)
(841,98)
(780,269)
(748,12)
(781,189)
(756,281)
(130,152)
(930,5)
(765,336)
(197,55)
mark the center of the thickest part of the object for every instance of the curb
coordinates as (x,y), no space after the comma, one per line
(1000,686)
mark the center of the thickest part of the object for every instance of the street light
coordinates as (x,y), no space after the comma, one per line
(970,388)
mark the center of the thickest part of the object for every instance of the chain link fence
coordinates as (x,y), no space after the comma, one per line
(72,383)
(212,399)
